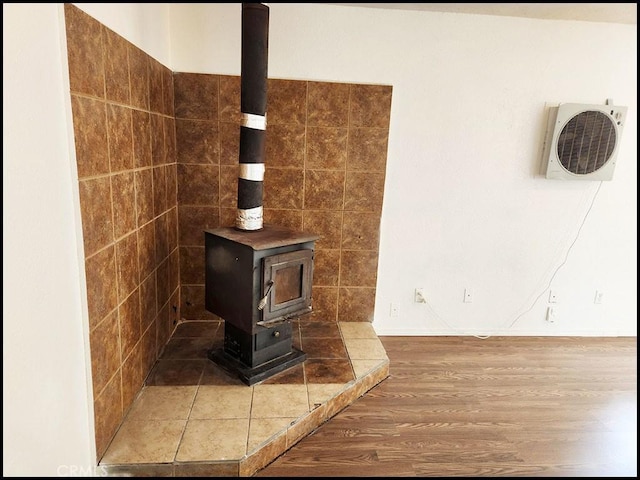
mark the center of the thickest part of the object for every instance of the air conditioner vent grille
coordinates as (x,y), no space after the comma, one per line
(582,141)
(586,142)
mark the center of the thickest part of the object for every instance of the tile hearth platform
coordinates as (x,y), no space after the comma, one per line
(192,418)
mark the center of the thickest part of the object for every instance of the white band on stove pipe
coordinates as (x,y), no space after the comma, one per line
(257,122)
(249,219)
(252,171)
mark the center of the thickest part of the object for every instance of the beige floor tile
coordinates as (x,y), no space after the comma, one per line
(222,401)
(365,349)
(163,403)
(146,441)
(220,423)
(319,393)
(271,401)
(262,429)
(363,367)
(214,440)
(357,330)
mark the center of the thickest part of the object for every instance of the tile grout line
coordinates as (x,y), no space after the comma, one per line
(184,429)
(246,446)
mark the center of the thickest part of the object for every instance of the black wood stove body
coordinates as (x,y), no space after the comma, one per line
(257,282)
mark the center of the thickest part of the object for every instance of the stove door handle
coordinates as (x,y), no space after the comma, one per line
(263,301)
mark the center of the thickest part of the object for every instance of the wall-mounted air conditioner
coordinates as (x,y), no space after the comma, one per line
(582,141)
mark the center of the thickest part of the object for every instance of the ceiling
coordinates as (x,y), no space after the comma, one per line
(590,12)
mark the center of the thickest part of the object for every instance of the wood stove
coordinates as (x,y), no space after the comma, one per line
(258,282)
(257,277)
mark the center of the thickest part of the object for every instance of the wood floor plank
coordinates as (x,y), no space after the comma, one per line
(504,406)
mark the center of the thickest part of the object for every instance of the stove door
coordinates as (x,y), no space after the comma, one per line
(286,287)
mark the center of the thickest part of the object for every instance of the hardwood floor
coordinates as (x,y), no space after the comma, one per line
(504,406)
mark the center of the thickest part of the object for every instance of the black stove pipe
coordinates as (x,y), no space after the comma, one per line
(253,106)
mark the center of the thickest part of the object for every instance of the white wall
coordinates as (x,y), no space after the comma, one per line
(467,122)
(48,427)
(47,403)
(465,205)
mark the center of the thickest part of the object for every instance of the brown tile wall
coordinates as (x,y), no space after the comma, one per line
(326,152)
(124,128)
(157,159)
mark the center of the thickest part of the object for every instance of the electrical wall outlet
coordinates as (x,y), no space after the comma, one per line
(599,296)
(394,311)
(420,296)
(553,296)
(468,295)
(552,313)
